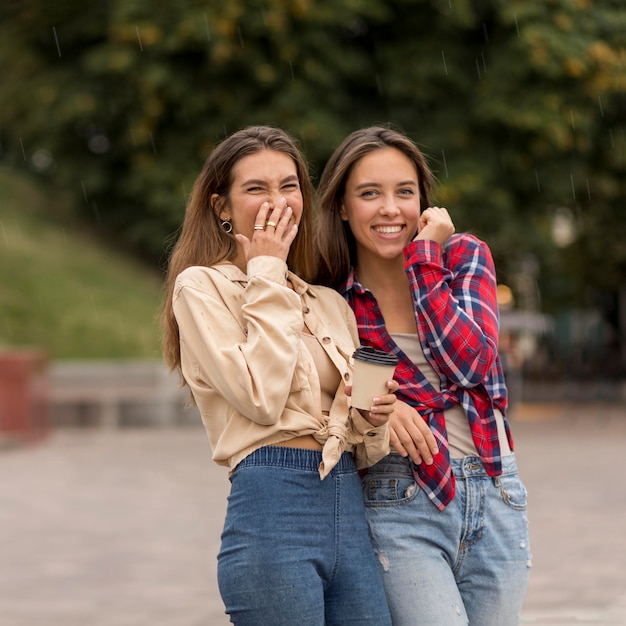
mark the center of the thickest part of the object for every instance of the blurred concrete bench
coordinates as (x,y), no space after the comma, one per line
(115,393)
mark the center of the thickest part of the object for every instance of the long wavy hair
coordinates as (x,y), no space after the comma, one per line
(335,243)
(202,239)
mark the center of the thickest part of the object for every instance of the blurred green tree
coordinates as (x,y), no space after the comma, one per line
(519,105)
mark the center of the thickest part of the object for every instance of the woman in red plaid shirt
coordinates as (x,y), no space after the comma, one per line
(446,509)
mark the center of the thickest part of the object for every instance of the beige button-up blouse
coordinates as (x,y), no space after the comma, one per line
(249,370)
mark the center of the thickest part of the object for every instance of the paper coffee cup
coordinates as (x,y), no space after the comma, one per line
(372,369)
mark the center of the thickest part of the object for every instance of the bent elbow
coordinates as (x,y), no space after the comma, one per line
(480,366)
(267,410)
(266,418)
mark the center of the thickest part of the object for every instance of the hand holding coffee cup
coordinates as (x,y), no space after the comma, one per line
(372,369)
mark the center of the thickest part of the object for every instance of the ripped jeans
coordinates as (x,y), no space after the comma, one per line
(467,564)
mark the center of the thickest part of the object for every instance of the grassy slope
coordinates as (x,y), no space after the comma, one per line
(68,295)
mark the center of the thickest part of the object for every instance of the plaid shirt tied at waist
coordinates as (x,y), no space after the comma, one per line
(456,313)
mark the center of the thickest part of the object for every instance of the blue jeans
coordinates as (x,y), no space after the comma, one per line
(296,549)
(467,564)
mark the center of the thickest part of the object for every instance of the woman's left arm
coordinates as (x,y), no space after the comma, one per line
(456,305)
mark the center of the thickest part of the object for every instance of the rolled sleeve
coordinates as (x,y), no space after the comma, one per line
(372,441)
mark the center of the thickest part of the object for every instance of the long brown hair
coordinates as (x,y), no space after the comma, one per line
(203,241)
(335,242)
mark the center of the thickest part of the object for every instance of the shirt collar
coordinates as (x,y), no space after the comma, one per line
(351,283)
(231,271)
(234,274)
(300,286)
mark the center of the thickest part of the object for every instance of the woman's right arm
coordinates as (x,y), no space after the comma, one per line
(249,360)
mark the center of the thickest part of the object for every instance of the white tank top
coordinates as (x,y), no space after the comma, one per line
(460,440)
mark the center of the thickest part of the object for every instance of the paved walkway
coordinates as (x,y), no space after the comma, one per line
(122,528)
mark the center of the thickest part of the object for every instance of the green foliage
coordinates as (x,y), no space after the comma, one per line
(64,293)
(519,106)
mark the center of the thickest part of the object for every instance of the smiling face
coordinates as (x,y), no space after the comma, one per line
(381,203)
(265,176)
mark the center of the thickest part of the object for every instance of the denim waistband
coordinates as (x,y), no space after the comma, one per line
(295,458)
(468,466)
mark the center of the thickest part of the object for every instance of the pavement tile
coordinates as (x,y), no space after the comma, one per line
(122,528)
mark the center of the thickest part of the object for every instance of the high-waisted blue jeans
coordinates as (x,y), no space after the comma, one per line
(296,549)
(467,564)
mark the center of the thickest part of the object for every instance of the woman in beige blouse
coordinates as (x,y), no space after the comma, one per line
(267,358)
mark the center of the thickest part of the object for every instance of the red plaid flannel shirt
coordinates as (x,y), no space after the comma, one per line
(456,312)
